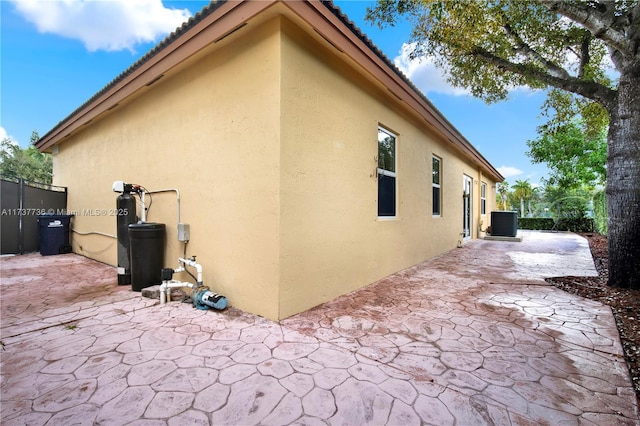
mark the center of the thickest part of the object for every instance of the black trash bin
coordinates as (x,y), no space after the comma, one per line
(53,230)
(146,247)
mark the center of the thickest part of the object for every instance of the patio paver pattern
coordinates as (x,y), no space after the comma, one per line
(472,337)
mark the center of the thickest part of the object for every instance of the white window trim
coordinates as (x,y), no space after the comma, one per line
(483,198)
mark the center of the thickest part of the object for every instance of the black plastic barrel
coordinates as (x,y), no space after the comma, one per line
(54,233)
(126,206)
(146,246)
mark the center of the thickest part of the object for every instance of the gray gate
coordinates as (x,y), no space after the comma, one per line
(21,203)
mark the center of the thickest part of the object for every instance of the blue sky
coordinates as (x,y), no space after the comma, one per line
(56,54)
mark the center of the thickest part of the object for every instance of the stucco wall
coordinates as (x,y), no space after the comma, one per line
(271,142)
(332,241)
(211,131)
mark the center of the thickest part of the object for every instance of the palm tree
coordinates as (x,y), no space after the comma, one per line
(522,191)
(535,196)
(503,190)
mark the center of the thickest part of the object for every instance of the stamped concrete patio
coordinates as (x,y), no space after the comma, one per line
(472,337)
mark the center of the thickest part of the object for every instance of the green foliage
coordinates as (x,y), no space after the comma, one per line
(567,207)
(563,108)
(573,156)
(491,46)
(567,203)
(523,192)
(585,224)
(536,223)
(502,195)
(28,163)
(600,215)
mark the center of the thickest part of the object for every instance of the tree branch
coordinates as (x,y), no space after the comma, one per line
(589,89)
(597,22)
(585,57)
(522,47)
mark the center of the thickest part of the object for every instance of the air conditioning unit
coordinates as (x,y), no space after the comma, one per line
(504,224)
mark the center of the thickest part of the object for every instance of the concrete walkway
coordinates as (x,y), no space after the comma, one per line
(473,337)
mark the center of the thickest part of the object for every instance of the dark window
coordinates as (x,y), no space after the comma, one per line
(387,175)
(435,184)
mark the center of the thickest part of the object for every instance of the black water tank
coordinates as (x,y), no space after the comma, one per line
(54,233)
(126,206)
(504,224)
(146,246)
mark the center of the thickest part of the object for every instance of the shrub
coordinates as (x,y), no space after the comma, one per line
(585,224)
(535,223)
(600,212)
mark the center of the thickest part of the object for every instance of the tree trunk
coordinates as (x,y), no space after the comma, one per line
(623,182)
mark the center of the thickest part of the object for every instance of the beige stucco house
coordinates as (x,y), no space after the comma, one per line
(307,164)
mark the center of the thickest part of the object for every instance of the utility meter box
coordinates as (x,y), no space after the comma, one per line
(184,232)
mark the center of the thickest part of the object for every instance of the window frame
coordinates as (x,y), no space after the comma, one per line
(436,187)
(388,173)
(483,198)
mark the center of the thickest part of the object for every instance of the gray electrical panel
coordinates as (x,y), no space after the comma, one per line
(184,232)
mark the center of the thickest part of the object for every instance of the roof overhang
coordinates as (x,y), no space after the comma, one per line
(219,21)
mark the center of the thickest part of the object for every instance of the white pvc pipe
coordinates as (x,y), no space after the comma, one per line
(166,286)
(143,210)
(193,264)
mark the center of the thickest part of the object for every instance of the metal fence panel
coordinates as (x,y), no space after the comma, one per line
(10,201)
(22,202)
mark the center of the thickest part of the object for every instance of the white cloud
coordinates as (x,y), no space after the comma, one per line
(509,171)
(610,69)
(429,78)
(3,136)
(424,74)
(103,25)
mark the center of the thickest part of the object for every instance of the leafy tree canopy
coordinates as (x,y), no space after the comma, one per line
(574,157)
(563,108)
(527,42)
(28,163)
(567,203)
